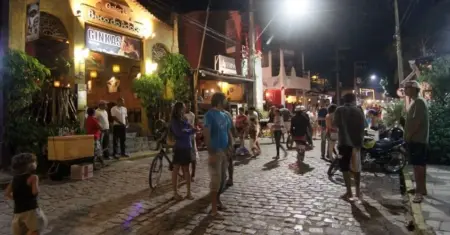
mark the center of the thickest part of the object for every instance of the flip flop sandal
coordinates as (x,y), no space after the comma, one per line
(216,216)
(346,197)
(413,191)
(177,198)
(189,197)
(418,198)
(221,208)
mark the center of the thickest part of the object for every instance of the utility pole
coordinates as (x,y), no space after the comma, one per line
(338,83)
(398,43)
(252,49)
(200,56)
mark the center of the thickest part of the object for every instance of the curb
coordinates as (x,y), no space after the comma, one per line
(421,228)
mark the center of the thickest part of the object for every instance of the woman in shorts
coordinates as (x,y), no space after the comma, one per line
(182,150)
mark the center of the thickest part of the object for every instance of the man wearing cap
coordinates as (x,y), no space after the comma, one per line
(416,136)
(102,116)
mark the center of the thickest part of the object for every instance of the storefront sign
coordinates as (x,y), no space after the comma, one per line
(99,17)
(225,64)
(112,43)
(33,20)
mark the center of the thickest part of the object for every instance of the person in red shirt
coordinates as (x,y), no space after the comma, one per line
(93,128)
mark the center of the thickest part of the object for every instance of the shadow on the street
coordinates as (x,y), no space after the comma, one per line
(271,165)
(243,160)
(301,169)
(374,222)
(336,180)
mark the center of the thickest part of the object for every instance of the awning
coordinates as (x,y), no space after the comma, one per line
(207,74)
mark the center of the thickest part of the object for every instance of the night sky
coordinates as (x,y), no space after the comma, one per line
(363,28)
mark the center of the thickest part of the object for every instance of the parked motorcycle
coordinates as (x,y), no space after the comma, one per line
(389,153)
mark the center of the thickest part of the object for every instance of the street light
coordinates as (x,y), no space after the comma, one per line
(373,77)
(296,7)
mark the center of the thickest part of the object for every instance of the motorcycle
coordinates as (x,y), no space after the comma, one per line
(390,152)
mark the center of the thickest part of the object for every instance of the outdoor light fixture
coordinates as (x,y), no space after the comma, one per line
(150,67)
(296,7)
(85,53)
(56,83)
(116,68)
(138,76)
(93,74)
(373,77)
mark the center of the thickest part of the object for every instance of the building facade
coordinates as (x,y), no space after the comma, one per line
(108,42)
(284,82)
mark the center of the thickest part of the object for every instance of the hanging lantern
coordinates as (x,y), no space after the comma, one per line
(56,83)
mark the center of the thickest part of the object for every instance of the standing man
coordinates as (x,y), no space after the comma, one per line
(102,116)
(217,132)
(416,135)
(120,117)
(190,117)
(321,115)
(349,120)
(286,115)
(231,151)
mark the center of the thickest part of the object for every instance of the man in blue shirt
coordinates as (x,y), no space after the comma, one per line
(217,133)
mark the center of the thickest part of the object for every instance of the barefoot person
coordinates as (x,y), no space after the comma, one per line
(182,150)
(24,189)
(349,120)
(416,135)
(332,133)
(217,131)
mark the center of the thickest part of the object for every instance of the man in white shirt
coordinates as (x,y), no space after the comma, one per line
(120,117)
(190,116)
(102,116)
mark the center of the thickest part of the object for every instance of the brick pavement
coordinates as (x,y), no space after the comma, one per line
(267,198)
(436,206)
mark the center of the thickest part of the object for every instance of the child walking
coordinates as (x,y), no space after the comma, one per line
(28,217)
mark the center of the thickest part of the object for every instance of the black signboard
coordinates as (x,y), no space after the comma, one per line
(109,42)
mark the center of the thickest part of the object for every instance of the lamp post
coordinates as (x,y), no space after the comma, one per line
(359,81)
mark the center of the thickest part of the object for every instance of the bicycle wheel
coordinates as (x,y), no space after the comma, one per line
(155,171)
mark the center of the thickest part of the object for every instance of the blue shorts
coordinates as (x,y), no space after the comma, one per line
(417,153)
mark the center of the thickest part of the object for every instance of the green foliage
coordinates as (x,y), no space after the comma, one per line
(393,112)
(173,67)
(26,76)
(438,77)
(149,89)
(440,131)
(182,90)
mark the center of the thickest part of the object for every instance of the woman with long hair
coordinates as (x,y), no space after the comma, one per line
(182,132)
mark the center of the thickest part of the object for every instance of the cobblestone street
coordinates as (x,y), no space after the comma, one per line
(267,198)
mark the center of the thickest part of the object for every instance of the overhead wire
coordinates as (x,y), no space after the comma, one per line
(166,7)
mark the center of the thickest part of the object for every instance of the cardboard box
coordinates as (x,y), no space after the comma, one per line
(65,148)
(81,172)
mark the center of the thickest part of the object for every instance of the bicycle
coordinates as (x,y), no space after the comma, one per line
(157,164)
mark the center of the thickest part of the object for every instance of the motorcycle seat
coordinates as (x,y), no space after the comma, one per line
(385,143)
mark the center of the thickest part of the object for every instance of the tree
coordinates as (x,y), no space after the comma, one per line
(157,91)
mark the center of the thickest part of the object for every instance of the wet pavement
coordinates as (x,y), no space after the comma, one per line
(267,198)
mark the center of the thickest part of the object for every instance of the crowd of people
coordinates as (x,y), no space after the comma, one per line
(343,126)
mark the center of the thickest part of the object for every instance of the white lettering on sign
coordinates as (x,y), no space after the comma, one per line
(225,64)
(104,37)
(116,7)
(94,16)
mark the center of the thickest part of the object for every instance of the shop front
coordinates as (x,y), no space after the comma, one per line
(106,44)
(100,45)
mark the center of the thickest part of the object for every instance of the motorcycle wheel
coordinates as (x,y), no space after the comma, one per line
(397,160)
(334,166)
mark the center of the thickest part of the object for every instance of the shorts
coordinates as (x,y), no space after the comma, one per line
(218,170)
(182,156)
(417,153)
(346,157)
(32,220)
